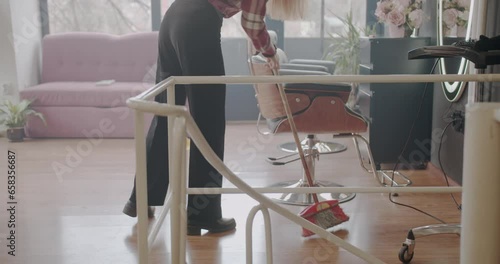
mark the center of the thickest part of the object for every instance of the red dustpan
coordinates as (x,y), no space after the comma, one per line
(325,214)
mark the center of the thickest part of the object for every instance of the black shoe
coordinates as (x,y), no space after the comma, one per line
(222,225)
(130,209)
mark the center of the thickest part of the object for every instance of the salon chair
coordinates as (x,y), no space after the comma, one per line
(316,109)
(324,66)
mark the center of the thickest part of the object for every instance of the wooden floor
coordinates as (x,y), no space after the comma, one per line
(70,194)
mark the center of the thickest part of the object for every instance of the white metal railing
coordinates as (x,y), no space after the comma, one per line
(267,230)
(181,124)
(481,180)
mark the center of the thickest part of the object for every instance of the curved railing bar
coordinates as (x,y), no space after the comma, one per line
(431,189)
(163,214)
(141,188)
(396,78)
(180,142)
(267,228)
(322,79)
(156,89)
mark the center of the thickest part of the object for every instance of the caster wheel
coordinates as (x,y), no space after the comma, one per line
(403,254)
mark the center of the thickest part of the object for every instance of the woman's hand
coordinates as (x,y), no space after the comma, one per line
(273,62)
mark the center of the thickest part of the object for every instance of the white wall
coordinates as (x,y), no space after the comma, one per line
(20,41)
(8,68)
(27,37)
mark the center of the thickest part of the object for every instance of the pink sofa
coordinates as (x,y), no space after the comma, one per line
(74,104)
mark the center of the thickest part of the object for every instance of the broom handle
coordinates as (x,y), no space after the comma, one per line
(296,136)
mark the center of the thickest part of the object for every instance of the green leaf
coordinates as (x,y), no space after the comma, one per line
(344,47)
(15,115)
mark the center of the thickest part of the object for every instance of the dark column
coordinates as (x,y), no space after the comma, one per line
(279,27)
(44,17)
(156,14)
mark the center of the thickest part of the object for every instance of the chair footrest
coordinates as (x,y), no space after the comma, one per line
(302,199)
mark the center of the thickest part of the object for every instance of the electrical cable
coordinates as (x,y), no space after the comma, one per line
(459,206)
(404,149)
(447,111)
(448,117)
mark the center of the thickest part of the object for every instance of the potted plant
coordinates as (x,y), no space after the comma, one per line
(344,50)
(14,116)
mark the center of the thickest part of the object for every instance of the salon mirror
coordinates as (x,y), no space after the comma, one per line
(454,23)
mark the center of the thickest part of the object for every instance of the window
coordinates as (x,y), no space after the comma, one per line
(107,16)
(118,16)
(127,16)
(231,27)
(310,27)
(165,4)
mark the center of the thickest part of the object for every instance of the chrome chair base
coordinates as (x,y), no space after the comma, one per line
(322,147)
(304,199)
(381,175)
(386,175)
(408,248)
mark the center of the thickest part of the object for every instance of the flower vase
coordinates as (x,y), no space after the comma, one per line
(446,31)
(461,31)
(400,32)
(409,32)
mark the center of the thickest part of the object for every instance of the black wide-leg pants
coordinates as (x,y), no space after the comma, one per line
(190,45)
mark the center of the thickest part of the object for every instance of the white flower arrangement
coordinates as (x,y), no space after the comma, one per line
(401,13)
(455,13)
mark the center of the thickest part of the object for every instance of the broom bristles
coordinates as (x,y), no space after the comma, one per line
(327,219)
(325,214)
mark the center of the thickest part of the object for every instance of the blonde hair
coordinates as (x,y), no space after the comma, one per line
(286,9)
